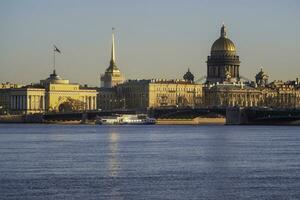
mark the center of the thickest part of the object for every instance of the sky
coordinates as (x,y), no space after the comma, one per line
(154,38)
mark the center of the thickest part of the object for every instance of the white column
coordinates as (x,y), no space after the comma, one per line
(21,102)
(87,102)
(34,102)
(90,99)
(25,102)
(18,102)
(95,103)
(40,102)
(11,102)
(43,103)
(29,102)
(84,103)
(15,102)
(92,103)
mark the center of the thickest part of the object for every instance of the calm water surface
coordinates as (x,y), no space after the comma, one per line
(149,162)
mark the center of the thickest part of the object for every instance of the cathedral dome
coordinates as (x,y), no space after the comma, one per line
(223,44)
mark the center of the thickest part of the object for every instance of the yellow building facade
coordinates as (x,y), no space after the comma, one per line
(5,89)
(224,95)
(63,96)
(146,94)
(69,97)
(53,94)
(27,100)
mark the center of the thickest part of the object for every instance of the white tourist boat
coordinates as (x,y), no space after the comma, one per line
(140,119)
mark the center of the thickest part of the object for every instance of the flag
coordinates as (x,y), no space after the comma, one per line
(56,49)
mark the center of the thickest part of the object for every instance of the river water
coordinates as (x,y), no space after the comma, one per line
(149,162)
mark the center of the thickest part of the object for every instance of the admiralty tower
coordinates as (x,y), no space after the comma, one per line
(223,63)
(112,75)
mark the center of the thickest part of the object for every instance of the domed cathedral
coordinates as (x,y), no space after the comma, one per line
(112,75)
(223,63)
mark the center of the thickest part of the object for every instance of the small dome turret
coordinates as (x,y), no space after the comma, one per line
(54,79)
(188,76)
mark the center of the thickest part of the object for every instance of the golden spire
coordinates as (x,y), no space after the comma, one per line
(113,58)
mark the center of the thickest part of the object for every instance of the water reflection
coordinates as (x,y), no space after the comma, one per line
(113,162)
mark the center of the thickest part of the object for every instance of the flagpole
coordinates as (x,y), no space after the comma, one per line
(53,60)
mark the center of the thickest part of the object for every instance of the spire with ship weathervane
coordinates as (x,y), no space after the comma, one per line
(112,75)
(223,31)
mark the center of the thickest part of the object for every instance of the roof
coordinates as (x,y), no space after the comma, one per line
(232,87)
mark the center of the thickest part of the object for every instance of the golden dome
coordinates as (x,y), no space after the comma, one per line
(223,43)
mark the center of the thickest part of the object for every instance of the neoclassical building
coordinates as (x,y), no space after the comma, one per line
(5,89)
(62,96)
(53,94)
(152,93)
(145,94)
(224,86)
(224,95)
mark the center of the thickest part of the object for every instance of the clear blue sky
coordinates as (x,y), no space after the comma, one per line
(154,39)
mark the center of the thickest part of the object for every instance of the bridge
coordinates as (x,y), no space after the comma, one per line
(77,116)
(234,115)
(262,116)
(166,113)
(187,113)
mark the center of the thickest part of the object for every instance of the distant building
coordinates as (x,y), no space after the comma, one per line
(223,63)
(62,96)
(53,94)
(279,94)
(112,75)
(224,95)
(9,85)
(107,99)
(145,94)
(5,89)
(225,88)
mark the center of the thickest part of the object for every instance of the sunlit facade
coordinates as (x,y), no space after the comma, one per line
(224,86)
(53,94)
